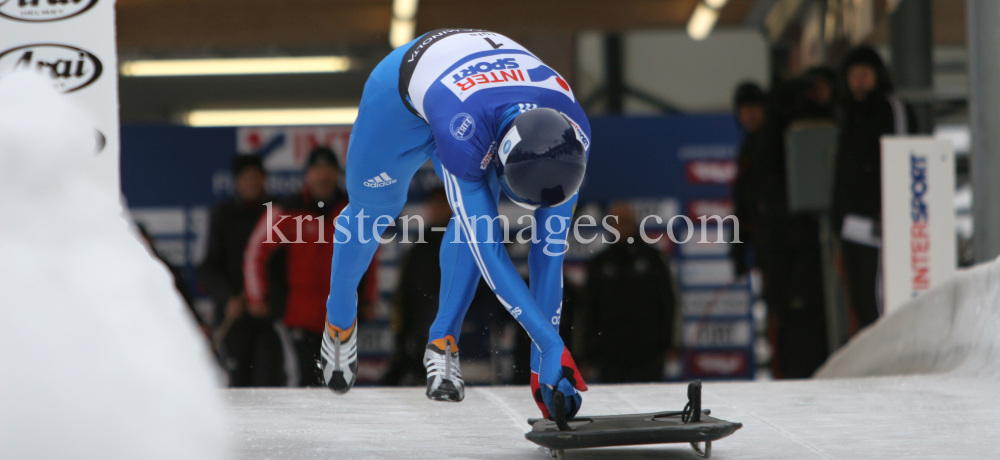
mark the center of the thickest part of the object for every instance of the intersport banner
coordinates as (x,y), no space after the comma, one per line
(72,44)
(918,216)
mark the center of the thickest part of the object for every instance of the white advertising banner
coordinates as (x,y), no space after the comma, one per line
(71,43)
(918,216)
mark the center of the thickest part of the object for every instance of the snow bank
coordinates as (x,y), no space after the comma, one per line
(98,357)
(953,328)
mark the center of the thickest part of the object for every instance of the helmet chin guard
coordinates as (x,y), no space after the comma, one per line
(541,159)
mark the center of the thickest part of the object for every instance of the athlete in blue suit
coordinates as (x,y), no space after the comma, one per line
(491,116)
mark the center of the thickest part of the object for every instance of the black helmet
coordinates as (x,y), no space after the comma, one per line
(541,159)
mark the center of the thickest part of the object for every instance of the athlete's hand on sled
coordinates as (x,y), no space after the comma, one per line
(558,373)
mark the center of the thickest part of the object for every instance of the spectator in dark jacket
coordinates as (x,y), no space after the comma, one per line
(249,345)
(800,318)
(748,104)
(870,111)
(629,304)
(819,85)
(786,244)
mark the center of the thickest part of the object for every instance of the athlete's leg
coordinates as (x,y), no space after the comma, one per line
(545,263)
(459,279)
(388,145)
(459,274)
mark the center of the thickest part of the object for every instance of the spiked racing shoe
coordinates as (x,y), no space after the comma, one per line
(339,357)
(444,377)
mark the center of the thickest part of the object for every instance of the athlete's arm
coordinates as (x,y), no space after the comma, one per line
(476,213)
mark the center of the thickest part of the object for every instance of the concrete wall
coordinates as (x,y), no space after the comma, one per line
(694,76)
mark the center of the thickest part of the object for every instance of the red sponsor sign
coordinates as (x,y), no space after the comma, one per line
(710,172)
(698,208)
(286,148)
(717,363)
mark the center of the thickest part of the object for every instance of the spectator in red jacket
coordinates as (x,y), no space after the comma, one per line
(303,228)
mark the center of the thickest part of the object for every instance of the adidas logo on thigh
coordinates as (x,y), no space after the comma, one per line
(380,180)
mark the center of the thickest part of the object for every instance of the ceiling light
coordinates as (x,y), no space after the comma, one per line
(702,21)
(235,66)
(401,32)
(272,117)
(404,22)
(404,9)
(716,4)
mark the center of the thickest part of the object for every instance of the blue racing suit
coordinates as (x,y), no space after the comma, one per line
(448,96)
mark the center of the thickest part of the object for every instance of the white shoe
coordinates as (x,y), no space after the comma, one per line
(444,376)
(339,357)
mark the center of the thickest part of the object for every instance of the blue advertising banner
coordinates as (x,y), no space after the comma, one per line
(676,168)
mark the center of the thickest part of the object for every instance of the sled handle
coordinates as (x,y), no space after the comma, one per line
(692,411)
(559,410)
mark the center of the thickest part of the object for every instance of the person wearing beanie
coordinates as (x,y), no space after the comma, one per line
(248,345)
(291,289)
(869,112)
(323,156)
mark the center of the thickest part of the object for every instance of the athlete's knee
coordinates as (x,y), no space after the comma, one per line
(367,220)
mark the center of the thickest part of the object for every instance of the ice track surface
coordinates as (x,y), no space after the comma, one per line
(944,402)
(886,417)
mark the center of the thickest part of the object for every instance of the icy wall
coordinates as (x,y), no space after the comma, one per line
(953,328)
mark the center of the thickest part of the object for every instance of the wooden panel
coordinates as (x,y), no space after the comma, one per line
(191,26)
(947,22)
(213,24)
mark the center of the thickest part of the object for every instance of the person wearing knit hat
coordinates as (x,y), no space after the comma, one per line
(749,96)
(870,112)
(293,288)
(322,156)
(866,75)
(242,162)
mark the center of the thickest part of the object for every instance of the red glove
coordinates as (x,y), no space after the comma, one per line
(569,372)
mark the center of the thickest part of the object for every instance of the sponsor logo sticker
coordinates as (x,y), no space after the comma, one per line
(486,160)
(43,10)
(507,144)
(580,136)
(462,126)
(502,71)
(69,68)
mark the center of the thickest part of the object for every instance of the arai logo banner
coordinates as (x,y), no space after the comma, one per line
(43,10)
(69,68)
